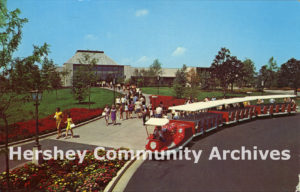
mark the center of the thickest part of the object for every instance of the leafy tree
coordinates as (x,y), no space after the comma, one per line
(84,78)
(272,72)
(248,77)
(289,74)
(205,80)
(180,82)
(79,88)
(226,68)
(17,76)
(155,68)
(268,74)
(51,76)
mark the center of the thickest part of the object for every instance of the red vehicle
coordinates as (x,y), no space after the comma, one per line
(201,117)
(167,101)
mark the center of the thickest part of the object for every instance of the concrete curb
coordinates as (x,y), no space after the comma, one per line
(119,182)
(48,134)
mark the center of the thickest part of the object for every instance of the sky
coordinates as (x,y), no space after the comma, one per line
(176,32)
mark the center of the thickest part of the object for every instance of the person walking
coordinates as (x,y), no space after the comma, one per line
(158,112)
(126,110)
(113,114)
(131,108)
(58,116)
(69,126)
(121,112)
(107,112)
(144,112)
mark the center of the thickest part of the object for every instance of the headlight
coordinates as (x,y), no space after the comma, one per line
(179,130)
(153,145)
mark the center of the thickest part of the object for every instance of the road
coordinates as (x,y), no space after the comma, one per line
(230,175)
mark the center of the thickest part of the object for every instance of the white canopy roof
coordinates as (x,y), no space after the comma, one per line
(210,104)
(157,121)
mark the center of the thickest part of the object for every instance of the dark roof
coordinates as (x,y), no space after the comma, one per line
(90,51)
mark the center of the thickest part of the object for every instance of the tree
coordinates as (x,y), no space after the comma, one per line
(272,73)
(289,74)
(180,82)
(205,80)
(155,69)
(51,76)
(17,76)
(248,77)
(267,76)
(226,68)
(84,78)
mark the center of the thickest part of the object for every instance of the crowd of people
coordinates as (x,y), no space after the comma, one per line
(132,104)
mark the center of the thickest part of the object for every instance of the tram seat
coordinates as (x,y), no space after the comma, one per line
(283,108)
(289,108)
(237,115)
(264,111)
(277,108)
(247,112)
(241,118)
(253,112)
(271,109)
(294,108)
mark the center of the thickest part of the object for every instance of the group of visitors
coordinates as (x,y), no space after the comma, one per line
(70,124)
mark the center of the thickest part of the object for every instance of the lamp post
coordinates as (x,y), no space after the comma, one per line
(36,97)
(158,77)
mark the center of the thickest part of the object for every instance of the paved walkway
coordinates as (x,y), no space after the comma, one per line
(128,133)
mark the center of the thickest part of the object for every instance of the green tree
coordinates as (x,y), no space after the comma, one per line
(248,77)
(226,68)
(84,77)
(272,73)
(155,69)
(180,82)
(206,81)
(17,76)
(289,74)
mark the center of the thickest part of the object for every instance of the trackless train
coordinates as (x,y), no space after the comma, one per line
(201,117)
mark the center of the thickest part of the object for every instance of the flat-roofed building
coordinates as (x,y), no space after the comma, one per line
(106,69)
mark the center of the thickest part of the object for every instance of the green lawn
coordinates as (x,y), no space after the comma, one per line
(201,94)
(64,100)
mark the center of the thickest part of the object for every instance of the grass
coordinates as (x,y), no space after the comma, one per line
(201,94)
(64,100)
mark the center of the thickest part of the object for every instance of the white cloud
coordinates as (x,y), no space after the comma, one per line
(179,51)
(90,37)
(141,12)
(142,59)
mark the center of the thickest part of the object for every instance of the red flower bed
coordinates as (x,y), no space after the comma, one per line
(26,129)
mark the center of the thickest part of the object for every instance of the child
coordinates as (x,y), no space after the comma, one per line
(69,121)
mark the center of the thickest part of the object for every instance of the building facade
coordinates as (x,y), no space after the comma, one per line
(106,69)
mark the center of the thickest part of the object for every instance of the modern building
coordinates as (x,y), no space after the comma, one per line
(106,69)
